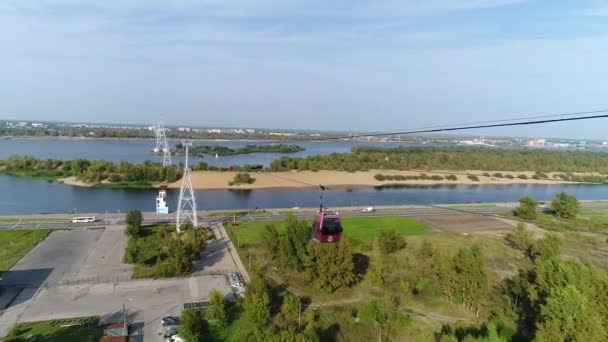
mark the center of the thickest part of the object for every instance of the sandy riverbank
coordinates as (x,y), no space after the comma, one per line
(74,181)
(302,179)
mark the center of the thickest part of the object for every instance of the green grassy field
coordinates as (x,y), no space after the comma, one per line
(363,229)
(64,330)
(15,244)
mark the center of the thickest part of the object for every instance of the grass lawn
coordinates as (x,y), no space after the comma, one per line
(14,244)
(367,228)
(361,229)
(34,220)
(64,330)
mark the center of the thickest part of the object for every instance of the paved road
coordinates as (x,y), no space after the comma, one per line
(212,217)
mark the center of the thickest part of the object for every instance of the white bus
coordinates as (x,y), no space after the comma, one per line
(79,219)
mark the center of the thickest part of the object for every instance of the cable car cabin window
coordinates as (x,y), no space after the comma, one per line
(331,226)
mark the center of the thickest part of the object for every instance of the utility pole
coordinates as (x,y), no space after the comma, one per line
(124,321)
(186,206)
(161,143)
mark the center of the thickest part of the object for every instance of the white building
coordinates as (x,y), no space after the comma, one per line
(540,143)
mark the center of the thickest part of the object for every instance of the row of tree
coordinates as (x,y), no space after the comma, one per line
(328,266)
(563,206)
(433,158)
(247,149)
(92,171)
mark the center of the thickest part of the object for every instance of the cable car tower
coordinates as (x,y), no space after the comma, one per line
(186,207)
(161,143)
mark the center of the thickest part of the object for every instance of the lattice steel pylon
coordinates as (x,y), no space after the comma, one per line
(186,207)
(161,143)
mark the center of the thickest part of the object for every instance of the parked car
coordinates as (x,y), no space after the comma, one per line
(369,210)
(237,283)
(168,327)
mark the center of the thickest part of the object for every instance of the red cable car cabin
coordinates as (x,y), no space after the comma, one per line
(327,227)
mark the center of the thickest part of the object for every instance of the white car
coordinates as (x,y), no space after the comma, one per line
(368,210)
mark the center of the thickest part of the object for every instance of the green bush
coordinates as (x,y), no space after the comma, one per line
(527,208)
(522,176)
(451,177)
(565,206)
(474,178)
(242,178)
(509,176)
(390,241)
(380,177)
(497,175)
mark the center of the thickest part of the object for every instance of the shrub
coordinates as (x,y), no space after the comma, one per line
(451,177)
(485,174)
(436,177)
(379,177)
(497,175)
(540,174)
(242,178)
(565,206)
(521,237)
(390,241)
(546,248)
(474,178)
(522,176)
(527,208)
(509,176)
(134,219)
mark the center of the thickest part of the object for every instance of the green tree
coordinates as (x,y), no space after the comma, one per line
(293,244)
(565,205)
(463,279)
(179,257)
(546,248)
(527,208)
(134,220)
(384,312)
(472,277)
(270,240)
(291,309)
(521,237)
(390,241)
(567,316)
(217,315)
(330,266)
(191,328)
(257,301)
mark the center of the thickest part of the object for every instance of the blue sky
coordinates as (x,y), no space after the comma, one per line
(356,65)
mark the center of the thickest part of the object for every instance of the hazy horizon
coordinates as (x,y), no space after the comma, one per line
(312,65)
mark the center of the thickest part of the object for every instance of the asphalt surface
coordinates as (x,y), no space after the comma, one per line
(276,214)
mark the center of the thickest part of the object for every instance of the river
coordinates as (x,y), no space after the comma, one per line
(27,196)
(139,150)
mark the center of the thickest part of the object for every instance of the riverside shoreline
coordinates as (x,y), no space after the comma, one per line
(202,180)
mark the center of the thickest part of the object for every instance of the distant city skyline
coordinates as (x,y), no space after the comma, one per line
(295,64)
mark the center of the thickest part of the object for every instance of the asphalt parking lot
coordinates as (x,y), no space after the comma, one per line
(80,273)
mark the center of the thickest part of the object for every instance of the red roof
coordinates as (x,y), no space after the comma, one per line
(114,339)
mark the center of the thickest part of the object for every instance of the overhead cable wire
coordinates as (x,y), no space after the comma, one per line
(503,120)
(475,126)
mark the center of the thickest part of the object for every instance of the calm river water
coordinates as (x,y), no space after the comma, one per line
(26,196)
